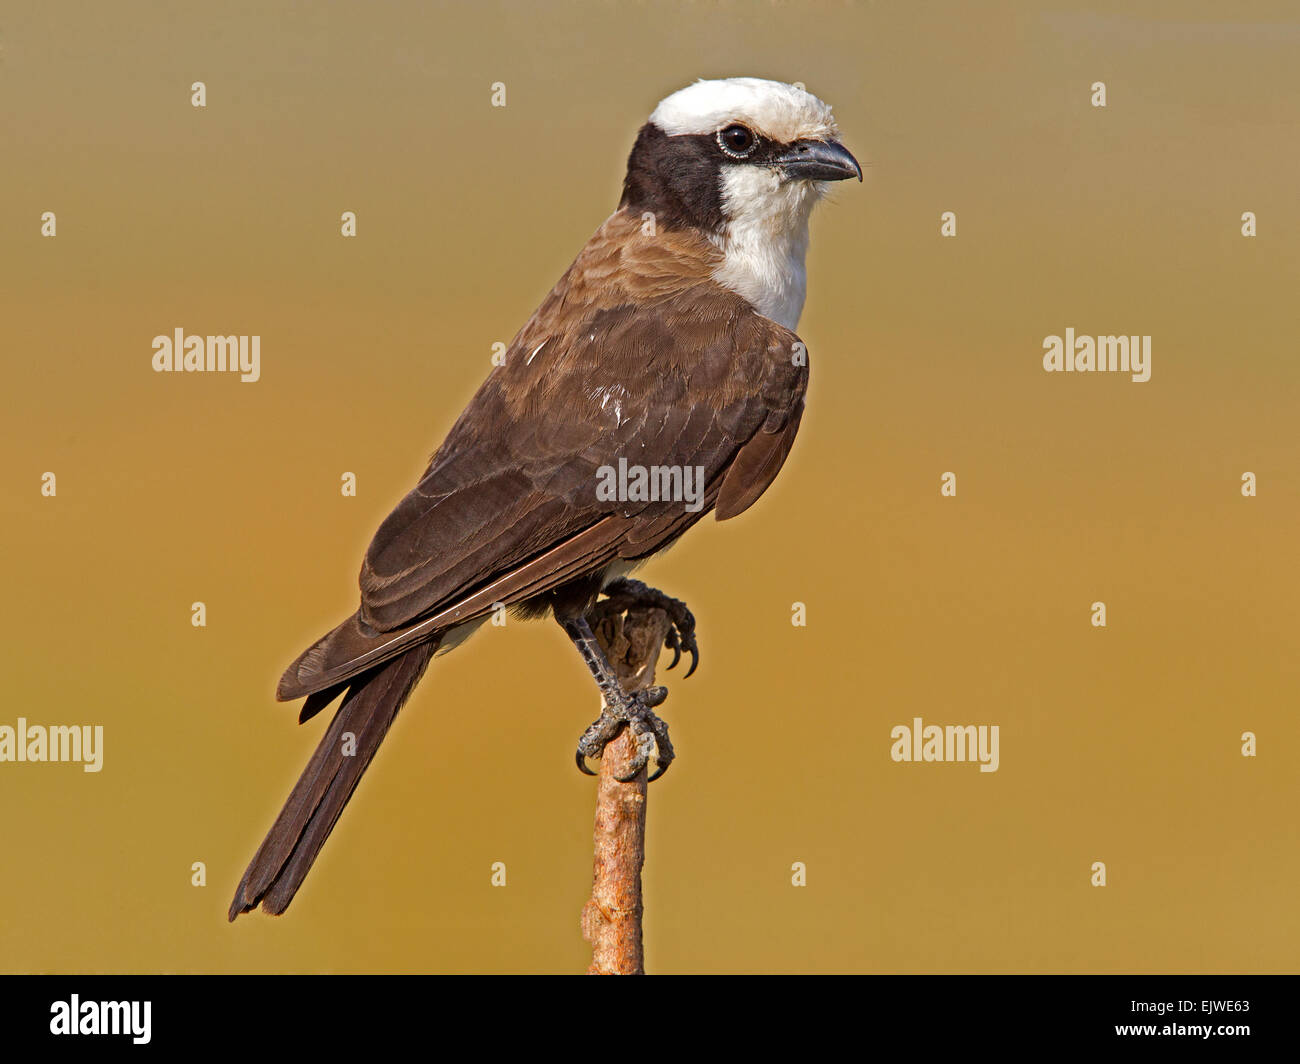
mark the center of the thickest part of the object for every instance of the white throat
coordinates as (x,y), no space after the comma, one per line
(765,240)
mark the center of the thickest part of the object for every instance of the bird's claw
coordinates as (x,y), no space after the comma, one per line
(681,636)
(650,734)
(624,593)
(636,710)
(664,747)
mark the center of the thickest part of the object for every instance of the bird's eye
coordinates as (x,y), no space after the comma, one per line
(737,141)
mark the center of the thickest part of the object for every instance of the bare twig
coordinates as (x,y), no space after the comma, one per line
(611,920)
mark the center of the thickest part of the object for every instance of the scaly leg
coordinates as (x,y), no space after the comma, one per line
(636,710)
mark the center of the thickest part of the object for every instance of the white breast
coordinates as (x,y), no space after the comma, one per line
(765,240)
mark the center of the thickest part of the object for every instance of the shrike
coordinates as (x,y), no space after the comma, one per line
(666,346)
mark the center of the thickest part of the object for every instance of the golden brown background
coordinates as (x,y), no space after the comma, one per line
(1119,745)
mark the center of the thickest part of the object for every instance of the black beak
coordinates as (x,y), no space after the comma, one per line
(818,160)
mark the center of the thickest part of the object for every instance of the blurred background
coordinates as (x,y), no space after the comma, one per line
(1119,745)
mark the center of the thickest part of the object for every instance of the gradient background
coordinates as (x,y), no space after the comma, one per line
(1120,745)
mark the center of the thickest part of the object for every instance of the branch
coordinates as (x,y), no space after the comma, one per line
(611,919)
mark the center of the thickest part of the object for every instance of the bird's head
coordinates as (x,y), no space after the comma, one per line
(742,161)
(736,153)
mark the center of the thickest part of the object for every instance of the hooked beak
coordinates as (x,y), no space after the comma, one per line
(818,160)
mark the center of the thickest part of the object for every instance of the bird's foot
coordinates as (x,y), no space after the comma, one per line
(623,594)
(649,733)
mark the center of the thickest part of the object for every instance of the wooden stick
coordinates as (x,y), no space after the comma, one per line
(611,919)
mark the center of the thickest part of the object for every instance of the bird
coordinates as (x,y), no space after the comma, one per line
(667,345)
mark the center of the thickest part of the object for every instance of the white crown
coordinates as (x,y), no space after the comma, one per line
(781,112)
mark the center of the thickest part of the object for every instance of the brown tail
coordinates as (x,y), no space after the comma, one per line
(295,839)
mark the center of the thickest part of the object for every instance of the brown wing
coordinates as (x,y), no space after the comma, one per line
(637,355)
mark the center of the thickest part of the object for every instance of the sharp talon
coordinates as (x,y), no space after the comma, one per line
(677,656)
(664,754)
(695,661)
(582,764)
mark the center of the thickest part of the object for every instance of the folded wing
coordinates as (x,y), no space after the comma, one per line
(657,367)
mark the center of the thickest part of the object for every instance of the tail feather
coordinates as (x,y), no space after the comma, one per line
(295,839)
